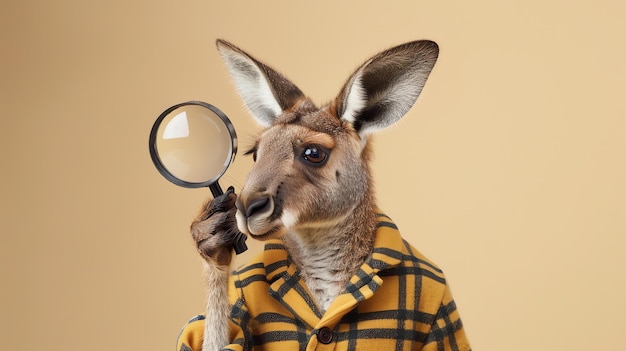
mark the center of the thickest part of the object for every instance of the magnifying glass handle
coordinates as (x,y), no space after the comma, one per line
(240,239)
(240,243)
(216,189)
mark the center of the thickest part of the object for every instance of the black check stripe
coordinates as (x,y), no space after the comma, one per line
(402,333)
(445,336)
(353,332)
(408,336)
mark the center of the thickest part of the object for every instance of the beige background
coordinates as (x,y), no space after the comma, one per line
(509,172)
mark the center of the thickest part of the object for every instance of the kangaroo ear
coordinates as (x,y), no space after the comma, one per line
(385,87)
(265,92)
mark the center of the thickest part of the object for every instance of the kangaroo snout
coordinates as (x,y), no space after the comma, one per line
(255,215)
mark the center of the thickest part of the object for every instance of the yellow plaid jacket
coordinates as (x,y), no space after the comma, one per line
(398,300)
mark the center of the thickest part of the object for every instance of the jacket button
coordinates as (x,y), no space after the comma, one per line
(325,335)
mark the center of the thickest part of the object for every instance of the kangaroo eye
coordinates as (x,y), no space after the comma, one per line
(251,152)
(315,155)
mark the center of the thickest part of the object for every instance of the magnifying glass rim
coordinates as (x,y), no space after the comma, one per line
(161,167)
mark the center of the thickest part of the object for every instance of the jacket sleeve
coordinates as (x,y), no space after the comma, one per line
(446,332)
(191,336)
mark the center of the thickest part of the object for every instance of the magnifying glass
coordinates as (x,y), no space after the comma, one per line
(191,145)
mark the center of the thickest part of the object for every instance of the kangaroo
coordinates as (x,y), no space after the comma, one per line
(310,195)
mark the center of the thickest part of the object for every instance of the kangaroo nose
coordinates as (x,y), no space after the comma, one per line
(257,206)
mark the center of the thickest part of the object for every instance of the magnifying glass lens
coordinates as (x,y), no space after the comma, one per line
(193,144)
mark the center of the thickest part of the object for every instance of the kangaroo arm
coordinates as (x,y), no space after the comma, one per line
(216,329)
(215,232)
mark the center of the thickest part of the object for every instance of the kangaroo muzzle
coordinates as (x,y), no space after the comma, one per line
(255,215)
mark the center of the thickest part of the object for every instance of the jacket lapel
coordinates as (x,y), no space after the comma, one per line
(288,289)
(387,253)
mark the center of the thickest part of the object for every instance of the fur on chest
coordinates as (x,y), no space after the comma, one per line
(324,268)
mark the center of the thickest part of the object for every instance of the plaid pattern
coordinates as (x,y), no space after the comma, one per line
(398,300)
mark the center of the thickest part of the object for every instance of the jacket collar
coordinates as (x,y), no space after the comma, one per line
(287,287)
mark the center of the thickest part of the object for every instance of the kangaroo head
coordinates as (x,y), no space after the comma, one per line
(311,164)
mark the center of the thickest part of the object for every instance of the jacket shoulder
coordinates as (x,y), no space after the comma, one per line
(413,257)
(265,264)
